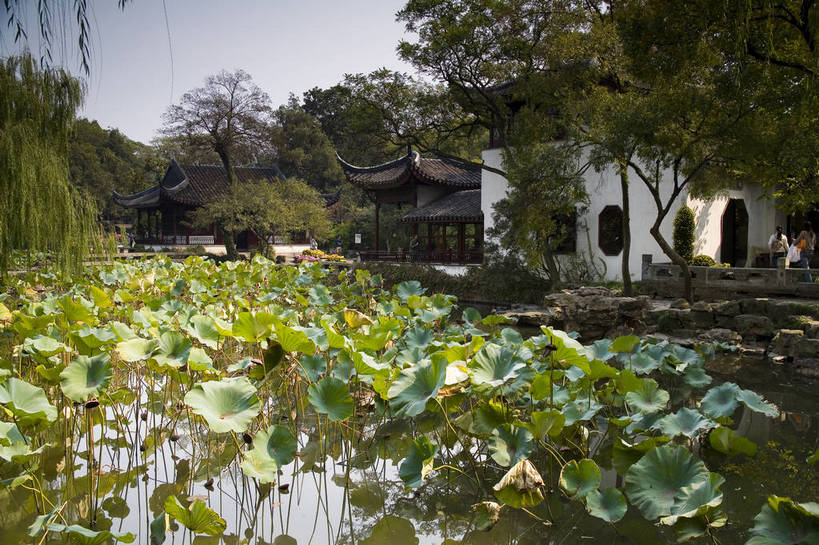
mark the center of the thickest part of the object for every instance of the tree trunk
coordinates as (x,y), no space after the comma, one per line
(549,263)
(230,244)
(625,270)
(676,258)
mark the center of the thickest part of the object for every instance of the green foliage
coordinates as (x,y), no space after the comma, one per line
(226,405)
(197,516)
(703,261)
(683,234)
(43,210)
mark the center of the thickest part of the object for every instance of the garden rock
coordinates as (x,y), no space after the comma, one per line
(754,326)
(702,315)
(785,341)
(721,335)
(681,304)
(807,348)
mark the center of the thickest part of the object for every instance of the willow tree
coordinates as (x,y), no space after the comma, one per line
(41,210)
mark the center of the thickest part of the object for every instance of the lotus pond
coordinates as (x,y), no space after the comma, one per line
(248,403)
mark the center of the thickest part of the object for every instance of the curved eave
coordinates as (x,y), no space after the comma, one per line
(387,175)
(425,177)
(148,198)
(443,219)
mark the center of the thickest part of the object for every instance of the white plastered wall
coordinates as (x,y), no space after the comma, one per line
(604,189)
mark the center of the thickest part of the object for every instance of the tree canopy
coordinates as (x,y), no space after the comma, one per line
(43,212)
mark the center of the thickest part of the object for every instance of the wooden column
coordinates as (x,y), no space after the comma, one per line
(377,228)
(461,245)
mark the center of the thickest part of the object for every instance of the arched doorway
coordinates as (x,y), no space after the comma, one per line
(735,233)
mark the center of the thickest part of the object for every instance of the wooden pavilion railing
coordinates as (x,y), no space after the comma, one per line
(447,257)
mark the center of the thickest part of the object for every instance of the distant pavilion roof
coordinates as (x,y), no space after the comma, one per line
(197,185)
(458,207)
(453,173)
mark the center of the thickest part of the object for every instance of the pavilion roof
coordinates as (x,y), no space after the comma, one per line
(193,185)
(458,207)
(449,172)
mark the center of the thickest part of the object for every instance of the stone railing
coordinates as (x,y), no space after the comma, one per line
(667,279)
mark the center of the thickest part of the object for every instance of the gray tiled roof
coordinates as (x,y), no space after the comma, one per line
(461,206)
(453,173)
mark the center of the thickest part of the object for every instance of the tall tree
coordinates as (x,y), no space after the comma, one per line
(43,212)
(229,115)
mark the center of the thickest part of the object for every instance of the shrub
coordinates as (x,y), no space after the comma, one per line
(313,253)
(197,250)
(683,234)
(703,261)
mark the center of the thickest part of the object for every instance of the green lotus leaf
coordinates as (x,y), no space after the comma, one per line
(320,296)
(419,338)
(609,505)
(625,344)
(580,410)
(393,530)
(136,349)
(94,337)
(549,422)
(273,449)
(45,345)
(116,507)
(312,367)
(83,536)
(122,331)
(691,528)
(173,349)
(26,402)
(487,514)
(405,290)
(721,400)
(418,463)
(726,441)
(696,377)
(695,499)
(226,405)
(569,351)
(579,477)
(625,454)
(785,522)
(355,319)
(331,396)
(75,312)
(643,363)
(493,366)
(203,329)
(253,327)
(416,385)
(100,297)
(522,486)
(159,528)
(14,446)
(684,422)
(509,444)
(756,403)
(86,378)
(626,381)
(654,484)
(294,341)
(197,517)
(649,398)
(488,416)
(198,360)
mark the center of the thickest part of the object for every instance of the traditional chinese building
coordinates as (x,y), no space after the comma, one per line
(162,210)
(445,199)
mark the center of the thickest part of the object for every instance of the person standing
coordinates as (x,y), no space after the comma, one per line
(414,247)
(806,242)
(313,244)
(778,245)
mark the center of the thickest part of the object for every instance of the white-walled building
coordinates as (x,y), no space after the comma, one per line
(733,227)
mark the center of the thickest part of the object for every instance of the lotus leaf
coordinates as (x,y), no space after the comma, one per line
(273,449)
(488,416)
(684,422)
(654,483)
(312,367)
(405,290)
(493,366)
(136,349)
(416,385)
(198,360)
(355,319)
(418,338)
(625,454)
(84,536)
(203,329)
(393,530)
(754,401)
(696,377)
(509,444)
(75,312)
(226,405)
(197,517)
(331,396)
(549,422)
(294,341)
(522,486)
(487,514)
(94,337)
(158,528)
(14,446)
(86,377)
(173,350)
(649,398)
(253,327)
(726,441)
(785,522)
(26,402)
(418,463)
(694,500)
(579,477)
(580,410)
(609,505)
(625,344)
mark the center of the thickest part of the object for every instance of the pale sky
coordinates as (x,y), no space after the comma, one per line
(287,46)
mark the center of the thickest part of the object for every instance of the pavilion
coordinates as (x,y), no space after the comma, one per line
(445,196)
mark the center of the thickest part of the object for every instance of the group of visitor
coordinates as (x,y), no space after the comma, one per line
(799,252)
